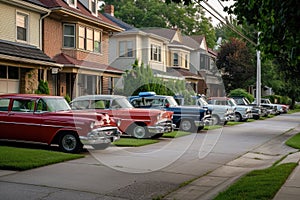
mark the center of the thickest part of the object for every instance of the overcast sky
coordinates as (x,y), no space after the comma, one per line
(217,6)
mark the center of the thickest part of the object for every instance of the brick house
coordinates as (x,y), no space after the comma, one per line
(22,62)
(77,36)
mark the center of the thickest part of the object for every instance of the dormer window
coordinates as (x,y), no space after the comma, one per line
(72,3)
(93,6)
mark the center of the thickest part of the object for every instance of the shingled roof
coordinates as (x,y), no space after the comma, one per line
(23,51)
(80,10)
(67,60)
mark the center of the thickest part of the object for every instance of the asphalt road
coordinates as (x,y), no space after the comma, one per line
(144,172)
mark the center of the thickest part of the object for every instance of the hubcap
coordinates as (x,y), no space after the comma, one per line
(186,125)
(69,142)
(139,132)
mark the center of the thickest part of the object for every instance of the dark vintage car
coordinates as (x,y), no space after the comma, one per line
(50,120)
(139,123)
(185,118)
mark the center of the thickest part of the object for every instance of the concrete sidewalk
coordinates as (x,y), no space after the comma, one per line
(208,186)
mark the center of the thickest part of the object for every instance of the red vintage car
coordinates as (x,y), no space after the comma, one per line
(139,123)
(50,120)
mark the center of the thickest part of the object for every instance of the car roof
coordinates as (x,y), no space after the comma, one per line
(98,97)
(16,95)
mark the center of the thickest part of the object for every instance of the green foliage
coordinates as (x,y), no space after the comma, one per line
(133,142)
(294,141)
(236,63)
(141,79)
(191,20)
(277,22)
(68,98)
(259,184)
(43,88)
(241,92)
(279,99)
(23,159)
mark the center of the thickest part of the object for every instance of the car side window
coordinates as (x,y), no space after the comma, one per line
(41,106)
(23,105)
(4,103)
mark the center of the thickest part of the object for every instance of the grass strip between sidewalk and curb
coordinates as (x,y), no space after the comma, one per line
(259,184)
(175,134)
(133,142)
(294,141)
(19,159)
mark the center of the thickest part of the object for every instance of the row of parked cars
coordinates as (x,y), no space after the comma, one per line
(99,120)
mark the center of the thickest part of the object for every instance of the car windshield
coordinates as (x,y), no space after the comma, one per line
(232,102)
(202,102)
(101,104)
(171,101)
(52,105)
(120,103)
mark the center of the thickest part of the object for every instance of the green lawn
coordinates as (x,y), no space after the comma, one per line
(294,141)
(231,123)
(12,158)
(133,142)
(212,127)
(294,111)
(258,184)
(175,134)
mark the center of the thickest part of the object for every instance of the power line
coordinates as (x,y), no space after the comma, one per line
(227,22)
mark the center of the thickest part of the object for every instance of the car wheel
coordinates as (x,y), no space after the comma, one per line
(215,119)
(238,117)
(139,131)
(187,125)
(256,117)
(69,143)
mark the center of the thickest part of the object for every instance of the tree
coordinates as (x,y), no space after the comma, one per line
(189,19)
(141,79)
(236,64)
(278,23)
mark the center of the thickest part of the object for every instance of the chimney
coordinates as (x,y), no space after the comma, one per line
(109,9)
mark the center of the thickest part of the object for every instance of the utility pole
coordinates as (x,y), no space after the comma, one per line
(258,75)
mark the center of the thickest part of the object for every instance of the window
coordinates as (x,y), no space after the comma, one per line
(3,72)
(204,62)
(89,40)
(175,59)
(72,3)
(155,52)
(93,7)
(7,72)
(69,35)
(186,61)
(23,105)
(82,37)
(126,49)
(4,103)
(22,27)
(13,73)
(97,41)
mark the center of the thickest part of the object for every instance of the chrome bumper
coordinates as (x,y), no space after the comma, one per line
(100,136)
(164,126)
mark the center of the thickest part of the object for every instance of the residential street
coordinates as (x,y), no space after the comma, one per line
(150,171)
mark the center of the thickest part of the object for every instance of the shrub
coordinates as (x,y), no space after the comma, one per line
(241,92)
(43,88)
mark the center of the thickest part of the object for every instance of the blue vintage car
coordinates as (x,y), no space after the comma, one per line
(186,118)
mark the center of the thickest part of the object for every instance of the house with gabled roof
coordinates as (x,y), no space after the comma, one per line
(22,61)
(76,36)
(160,48)
(203,61)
